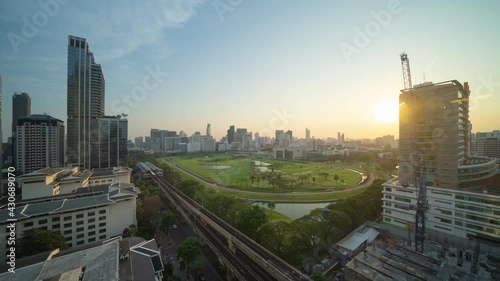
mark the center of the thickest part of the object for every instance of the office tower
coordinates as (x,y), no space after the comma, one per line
(21,107)
(109,145)
(278,136)
(290,134)
(240,134)
(461,191)
(230,134)
(488,144)
(40,143)
(209,131)
(85,101)
(182,134)
(139,142)
(308,134)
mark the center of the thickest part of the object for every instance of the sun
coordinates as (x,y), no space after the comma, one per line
(386,111)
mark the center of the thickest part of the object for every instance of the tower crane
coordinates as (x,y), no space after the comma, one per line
(418,167)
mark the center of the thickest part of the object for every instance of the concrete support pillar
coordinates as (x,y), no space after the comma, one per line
(231,245)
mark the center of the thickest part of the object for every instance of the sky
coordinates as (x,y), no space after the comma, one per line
(330,66)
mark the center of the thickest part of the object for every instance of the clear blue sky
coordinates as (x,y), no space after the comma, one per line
(254,63)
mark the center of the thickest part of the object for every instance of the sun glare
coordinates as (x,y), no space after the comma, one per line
(386,111)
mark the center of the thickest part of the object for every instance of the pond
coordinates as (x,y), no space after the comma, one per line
(294,210)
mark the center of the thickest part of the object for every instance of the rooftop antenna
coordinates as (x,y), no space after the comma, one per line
(405,63)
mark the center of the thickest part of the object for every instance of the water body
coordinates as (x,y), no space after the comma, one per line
(294,210)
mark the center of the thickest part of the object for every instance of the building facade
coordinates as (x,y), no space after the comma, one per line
(488,144)
(109,144)
(39,142)
(85,101)
(462,194)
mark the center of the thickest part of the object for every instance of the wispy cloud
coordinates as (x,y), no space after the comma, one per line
(125,26)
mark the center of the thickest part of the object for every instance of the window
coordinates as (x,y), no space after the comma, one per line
(91,233)
(388,189)
(56,226)
(79,242)
(102,211)
(92,226)
(80,236)
(102,237)
(42,221)
(91,220)
(102,224)
(67,224)
(91,214)
(67,218)
(102,230)
(28,224)
(387,219)
(79,216)
(79,222)
(102,218)
(91,239)
(80,229)
(56,219)
(69,231)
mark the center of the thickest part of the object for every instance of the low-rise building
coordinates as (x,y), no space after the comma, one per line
(89,214)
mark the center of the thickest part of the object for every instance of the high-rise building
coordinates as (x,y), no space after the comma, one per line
(1,136)
(139,142)
(488,144)
(240,134)
(40,143)
(85,101)
(109,145)
(278,134)
(462,192)
(290,134)
(230,134)
(21,107)
(308,134)
(209,130)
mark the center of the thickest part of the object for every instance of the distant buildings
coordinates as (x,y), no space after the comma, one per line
(21,107)
(230,134)
(488,144)
(39,143)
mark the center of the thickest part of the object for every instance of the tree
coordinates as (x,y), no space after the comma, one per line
(324,175)
(273,236)
(271,205)
(38,240)
(336,177)
(167,220)
(130,231)
(318,276)
(314,179)
(189,255)
(250,220)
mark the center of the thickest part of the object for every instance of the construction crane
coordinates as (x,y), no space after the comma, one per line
(418,167)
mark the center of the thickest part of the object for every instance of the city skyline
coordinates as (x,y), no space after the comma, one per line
(278,66)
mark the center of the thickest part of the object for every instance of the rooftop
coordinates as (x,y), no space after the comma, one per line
(94,264)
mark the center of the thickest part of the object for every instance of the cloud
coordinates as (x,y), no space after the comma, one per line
(120,28)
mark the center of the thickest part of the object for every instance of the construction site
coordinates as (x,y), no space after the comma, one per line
(389,258)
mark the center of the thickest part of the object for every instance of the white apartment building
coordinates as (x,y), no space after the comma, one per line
(87,215)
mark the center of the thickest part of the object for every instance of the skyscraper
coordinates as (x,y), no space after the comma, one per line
(308,134)
(109,145)
(85,101)
(40,143)
(461,196)
(21,107)
(209,131)
(230,134)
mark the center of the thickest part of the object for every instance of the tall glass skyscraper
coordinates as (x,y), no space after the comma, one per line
(85,101)
(109,146)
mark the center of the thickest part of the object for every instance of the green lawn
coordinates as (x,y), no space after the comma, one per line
(278,197)
(276,216)
(242,173)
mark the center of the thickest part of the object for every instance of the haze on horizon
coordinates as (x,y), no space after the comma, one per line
(329,66)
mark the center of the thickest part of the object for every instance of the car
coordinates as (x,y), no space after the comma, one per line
(174,226)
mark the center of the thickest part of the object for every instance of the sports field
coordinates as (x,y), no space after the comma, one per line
(260,174)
